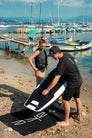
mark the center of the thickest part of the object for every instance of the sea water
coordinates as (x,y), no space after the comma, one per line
(18,64)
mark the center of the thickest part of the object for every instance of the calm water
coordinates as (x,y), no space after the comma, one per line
(20,64)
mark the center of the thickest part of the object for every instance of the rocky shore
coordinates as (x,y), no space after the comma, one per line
(14,90)
(21,30)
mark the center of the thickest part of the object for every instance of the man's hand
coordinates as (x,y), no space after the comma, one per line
(53,83)
(45,92)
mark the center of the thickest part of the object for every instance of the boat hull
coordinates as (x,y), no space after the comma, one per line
(73,47)
(62,39)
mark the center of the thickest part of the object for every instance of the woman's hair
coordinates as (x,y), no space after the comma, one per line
(42,40)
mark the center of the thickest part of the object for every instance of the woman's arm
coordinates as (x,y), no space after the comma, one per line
(36,53)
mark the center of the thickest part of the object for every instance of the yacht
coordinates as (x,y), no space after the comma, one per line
(3,26)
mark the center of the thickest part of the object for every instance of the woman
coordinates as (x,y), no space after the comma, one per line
(40,57)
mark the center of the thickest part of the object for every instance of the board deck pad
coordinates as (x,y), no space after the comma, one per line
(38,102)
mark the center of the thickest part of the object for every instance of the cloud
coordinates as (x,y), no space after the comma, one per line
(66,3)
(89,5)
(74,3)
(1,2)
(22,1)
(26,1)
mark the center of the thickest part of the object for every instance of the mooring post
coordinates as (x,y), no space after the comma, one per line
(24,50)
(7,46)
(18,46)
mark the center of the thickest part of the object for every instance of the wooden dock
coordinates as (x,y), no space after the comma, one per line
(18,41)
(3,41)
(15,40)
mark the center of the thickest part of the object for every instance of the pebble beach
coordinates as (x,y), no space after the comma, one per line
(17,82)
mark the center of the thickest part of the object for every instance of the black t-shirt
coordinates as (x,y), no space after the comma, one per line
(68,68)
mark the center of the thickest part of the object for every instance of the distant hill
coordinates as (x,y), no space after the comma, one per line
(27,20)
(80,19)
(8,21)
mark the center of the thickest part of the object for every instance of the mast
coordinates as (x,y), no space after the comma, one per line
(34,15)
(58,15)
(40,12)
(31,13)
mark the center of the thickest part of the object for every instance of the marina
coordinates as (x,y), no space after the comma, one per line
(28,31)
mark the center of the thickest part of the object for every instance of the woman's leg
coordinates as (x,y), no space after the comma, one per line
(39,76)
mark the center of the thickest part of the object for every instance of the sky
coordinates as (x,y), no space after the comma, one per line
(50,8)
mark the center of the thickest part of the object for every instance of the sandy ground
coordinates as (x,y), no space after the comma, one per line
(13,92)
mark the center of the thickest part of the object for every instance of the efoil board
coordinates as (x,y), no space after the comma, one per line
(38,102)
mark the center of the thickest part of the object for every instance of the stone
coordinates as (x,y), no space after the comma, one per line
(9,129)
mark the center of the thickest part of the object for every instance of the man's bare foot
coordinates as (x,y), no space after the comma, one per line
(63,123)
(77,117)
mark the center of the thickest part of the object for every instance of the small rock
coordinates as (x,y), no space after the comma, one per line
(6,78)
(83,105)
(84,113)
(9,129)
(30,81)
(32,86)
(12,98)
(2,71)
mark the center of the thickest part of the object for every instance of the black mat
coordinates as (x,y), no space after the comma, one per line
(26,122)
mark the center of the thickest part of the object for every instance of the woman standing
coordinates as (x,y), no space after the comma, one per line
(40,57)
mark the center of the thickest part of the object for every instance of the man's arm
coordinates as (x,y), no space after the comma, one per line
(53,83)
(75,60)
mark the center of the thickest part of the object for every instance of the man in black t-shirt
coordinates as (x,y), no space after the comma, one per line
(67,67)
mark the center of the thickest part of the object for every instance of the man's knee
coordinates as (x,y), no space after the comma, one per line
(65,102)
(77,99)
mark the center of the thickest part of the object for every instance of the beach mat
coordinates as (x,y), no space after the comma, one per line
(26,122)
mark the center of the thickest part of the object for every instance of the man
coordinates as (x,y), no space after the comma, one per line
(67,66)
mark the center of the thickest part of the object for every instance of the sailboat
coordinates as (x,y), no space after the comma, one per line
(3,26)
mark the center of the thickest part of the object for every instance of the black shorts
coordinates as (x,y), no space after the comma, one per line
(71,92)
(42,70)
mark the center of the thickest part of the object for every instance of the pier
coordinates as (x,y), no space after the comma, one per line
(18,41)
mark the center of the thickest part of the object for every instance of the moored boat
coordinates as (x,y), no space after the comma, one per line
(60,39)
(4,26)
(72,45)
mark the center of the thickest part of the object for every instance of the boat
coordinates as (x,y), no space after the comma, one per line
(57,30)
(76,45)
(80,29)
(60,39)
(4,26)
(71,30)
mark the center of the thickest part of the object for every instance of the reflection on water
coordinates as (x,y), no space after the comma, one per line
(81,53)
(90,71)
(84,58)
